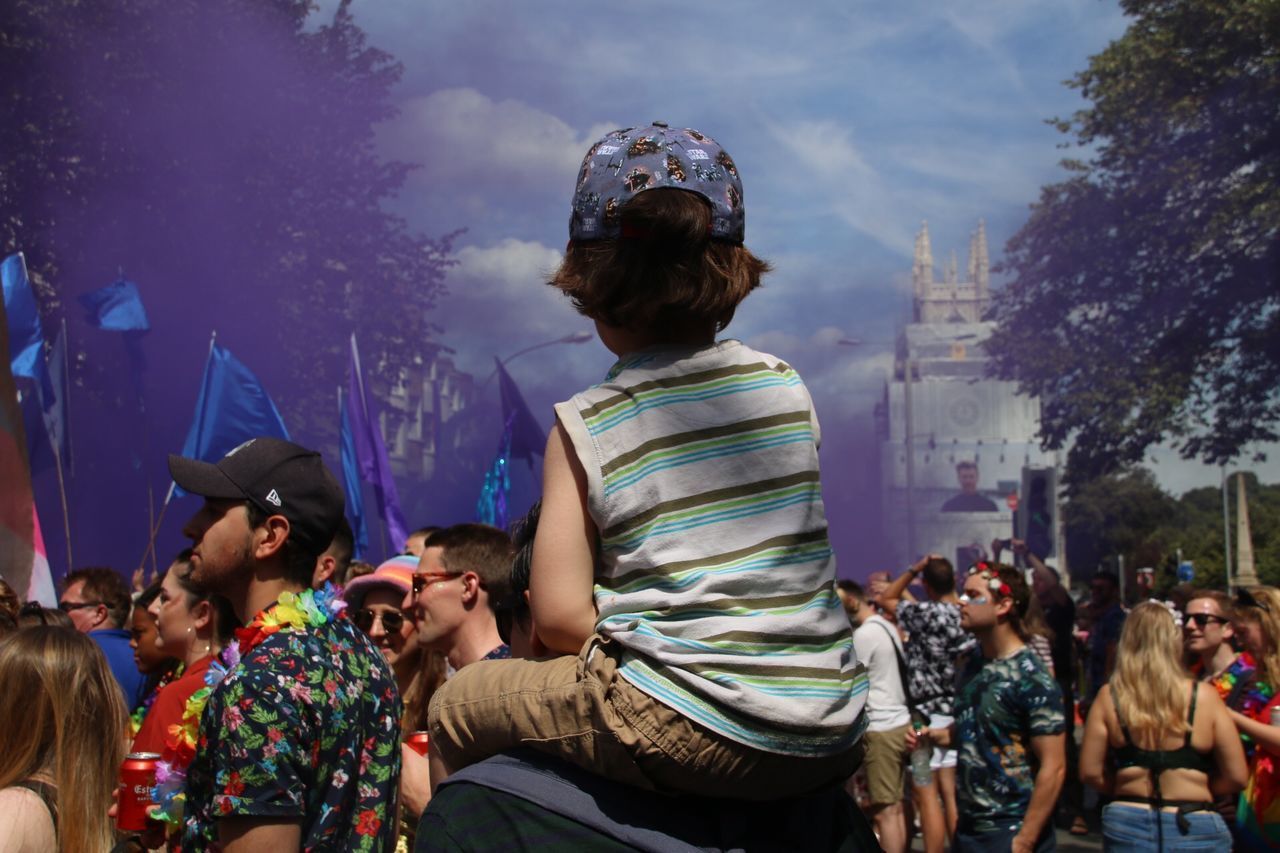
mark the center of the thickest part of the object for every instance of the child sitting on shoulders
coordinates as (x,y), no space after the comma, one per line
(682,565)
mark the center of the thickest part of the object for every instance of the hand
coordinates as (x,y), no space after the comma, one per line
(1018,546)
(1022,845)
(138,584)
(415,781)
(914,737)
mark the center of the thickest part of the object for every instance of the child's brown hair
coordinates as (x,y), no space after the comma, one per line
(664,274)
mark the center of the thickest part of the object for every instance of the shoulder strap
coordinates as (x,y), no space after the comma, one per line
(902,671)
(47,794)
(1191,712)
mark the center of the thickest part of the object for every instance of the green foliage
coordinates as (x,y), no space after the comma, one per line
(1144,301)
(223,153)
(1129,515)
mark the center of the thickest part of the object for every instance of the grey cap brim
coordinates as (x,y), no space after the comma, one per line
(203,479)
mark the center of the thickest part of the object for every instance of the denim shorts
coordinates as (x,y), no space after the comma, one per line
(1133,828)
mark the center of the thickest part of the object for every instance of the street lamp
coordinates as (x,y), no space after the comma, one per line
(575,338)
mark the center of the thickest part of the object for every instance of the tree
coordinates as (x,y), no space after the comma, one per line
(1144,303)
(223,155)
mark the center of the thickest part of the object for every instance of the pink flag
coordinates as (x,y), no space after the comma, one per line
(40,587)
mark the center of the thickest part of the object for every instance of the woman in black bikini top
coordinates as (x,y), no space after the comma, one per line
(1160,744)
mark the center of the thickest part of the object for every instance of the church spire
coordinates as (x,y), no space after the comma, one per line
(922,271)
(980,262)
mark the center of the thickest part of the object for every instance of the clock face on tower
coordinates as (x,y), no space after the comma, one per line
(963,412)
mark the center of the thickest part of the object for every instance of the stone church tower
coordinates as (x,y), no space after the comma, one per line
(951,300)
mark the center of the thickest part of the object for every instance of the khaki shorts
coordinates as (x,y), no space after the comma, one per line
(885,762)
(580,710)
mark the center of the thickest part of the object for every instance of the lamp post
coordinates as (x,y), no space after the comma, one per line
(575,338)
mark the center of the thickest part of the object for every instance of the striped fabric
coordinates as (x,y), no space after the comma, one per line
(716,574)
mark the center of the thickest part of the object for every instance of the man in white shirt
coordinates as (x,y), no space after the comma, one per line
(877,646)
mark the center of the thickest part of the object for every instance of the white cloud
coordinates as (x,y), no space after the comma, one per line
(462,136)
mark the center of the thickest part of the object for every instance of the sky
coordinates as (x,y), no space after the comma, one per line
(851,122)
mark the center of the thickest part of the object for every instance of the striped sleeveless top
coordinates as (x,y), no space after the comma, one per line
(715,574)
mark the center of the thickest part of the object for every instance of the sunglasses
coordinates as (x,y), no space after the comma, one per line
(68,606)
(1204,619)
(422,579)
(1244,598)
(392,620)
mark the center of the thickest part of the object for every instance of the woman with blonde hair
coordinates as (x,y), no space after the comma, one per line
(1257,625)
(62,738)
(1172,744)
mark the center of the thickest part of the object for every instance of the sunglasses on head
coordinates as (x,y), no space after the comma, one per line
(1204,619)
(392,620)
(422,579)
(1244,598)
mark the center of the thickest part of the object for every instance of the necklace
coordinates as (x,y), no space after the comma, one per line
(292,612)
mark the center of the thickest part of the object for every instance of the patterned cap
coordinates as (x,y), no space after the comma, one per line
(395,574)
(628,162)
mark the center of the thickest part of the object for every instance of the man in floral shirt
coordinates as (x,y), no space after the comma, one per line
(935,639)
(298,744)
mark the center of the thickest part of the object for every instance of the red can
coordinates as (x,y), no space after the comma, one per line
(418,742)
(137,778)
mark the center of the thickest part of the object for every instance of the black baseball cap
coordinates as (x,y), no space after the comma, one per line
(277,476)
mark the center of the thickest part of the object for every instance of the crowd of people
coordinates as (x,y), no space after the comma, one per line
(657,657)
(1180,730)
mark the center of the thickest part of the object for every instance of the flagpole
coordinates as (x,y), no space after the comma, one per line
(62,493)
(66,396)
(155,526)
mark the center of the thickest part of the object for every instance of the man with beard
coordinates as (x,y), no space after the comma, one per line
(298,746)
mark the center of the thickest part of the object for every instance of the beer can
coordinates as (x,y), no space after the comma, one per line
(137,778)
(418,742)
(1275,715)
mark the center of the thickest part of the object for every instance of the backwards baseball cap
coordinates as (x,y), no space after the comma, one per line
(280,478)
(628,162)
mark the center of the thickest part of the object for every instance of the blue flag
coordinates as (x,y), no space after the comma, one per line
(527,438)
(371,452)
(23,314)
(232,408)
(351,482)
(116,308)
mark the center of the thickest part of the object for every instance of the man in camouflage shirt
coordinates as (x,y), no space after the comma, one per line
(1009,724)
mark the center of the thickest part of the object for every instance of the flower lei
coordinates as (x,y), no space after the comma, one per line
(292,612)
(140,713)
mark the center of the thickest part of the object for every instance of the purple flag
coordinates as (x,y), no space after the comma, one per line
(371,452)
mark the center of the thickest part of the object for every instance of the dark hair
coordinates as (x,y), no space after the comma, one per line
(664,274)
(1109,577)
(299,565)
(9,601)
(150,594)
(852,587)
(478,548)
(342,547)
(104,585)
(1019,592)
(355,569)
(34,614)
(523,533)
(966,463)
(939,576)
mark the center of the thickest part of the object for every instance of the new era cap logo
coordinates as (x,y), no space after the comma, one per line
(273,498)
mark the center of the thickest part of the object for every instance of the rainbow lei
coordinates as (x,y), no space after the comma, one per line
(292,612)
(140,713)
